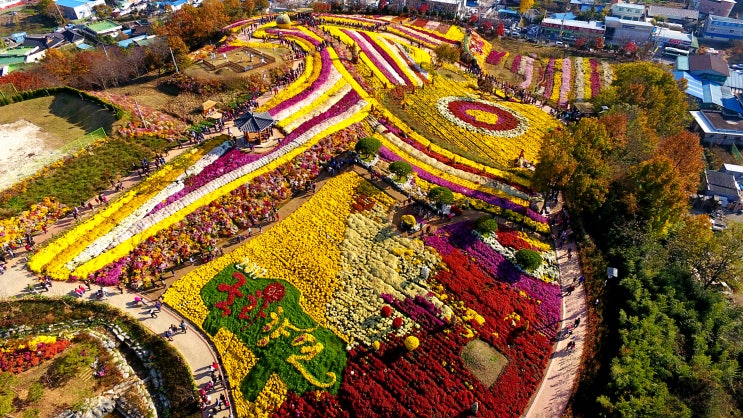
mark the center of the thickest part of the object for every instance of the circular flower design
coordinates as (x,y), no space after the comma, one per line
(482,116)
(274,292)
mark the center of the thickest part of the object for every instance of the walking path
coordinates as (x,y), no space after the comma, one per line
(562,372)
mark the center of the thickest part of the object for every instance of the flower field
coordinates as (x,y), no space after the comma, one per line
(319,307)
(495,132)
(580,78)
(332,311)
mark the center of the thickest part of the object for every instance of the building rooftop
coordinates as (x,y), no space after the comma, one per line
(17,52)
(634,23)
(103,26)
(72,3)
(714,122)
(720,183)
(735,168)
(630,6)
(672,12)
(593,24)
(672,34)
(709,62)
(724,19)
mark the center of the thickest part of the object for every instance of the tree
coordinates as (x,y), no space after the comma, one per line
(486,225)
(576,161)
(630,48)
(654,90)
(686,156)
(368,146)
(525,6)
(500,30)
(530,260)
(102,11)
(49,9)
(401,170)
(446,53)
(712,257)
(441,196)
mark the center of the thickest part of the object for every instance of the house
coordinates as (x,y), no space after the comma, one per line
(573,28)
(720,8)
(102,28)
(78,9)
(628,11)
(718,28)
(673,14)
(720,184)
(718,127)
(620,31)
(665,37)
(712,67)
(54,40)
(734,170)
(454,8)
(18,55)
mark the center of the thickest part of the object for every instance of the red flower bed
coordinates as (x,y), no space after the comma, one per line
(595,78)
(392,382)
(505,122)
(515,64)
(513,240)
(495,57)
(20,360)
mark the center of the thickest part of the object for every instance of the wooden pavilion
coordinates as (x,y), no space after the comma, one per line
(255,126)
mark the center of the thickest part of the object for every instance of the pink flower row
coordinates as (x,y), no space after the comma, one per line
(327,66)
(549,78)
(595,78)
(565,86)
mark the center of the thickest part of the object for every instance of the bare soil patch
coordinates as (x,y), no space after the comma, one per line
(484,361)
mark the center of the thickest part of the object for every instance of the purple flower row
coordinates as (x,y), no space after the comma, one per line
(388,155)
(327,66)
(235,158)
(365,49)
(419,310)
(433,35)
(549,78)
(460,235)
(386,57)
(296,34)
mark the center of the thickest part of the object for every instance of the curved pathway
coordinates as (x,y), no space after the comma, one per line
(561,375)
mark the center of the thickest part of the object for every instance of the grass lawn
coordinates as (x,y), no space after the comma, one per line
(25,20)
(63,117)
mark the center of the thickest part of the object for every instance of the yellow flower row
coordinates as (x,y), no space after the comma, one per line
(312,106)
(381,41)
(313,66)
(364,58)
(535,242)
(557,82)
(450,155)
(53,256)
(453,179)
(587,78)
(131,243)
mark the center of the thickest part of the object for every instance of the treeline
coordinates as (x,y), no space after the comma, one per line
(91,69)
(193,27)
(669,342)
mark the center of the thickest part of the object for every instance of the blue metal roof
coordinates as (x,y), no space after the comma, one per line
(71,3)
(709,93)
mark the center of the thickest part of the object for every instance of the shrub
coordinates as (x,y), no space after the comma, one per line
(530,260)
(441,196)
(486,225)
(401,169)
(35,392)
(368,146)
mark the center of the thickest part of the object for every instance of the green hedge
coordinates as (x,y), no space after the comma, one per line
(33,94)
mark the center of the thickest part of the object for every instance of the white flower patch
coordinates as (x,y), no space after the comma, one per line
(580,79)
(140,224)
(333,78)
(320,109)
(548,271)
(443,106)
(375,260)
(608,74)
(100,244)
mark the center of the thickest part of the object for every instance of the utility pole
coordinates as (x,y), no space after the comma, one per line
(174,63)
(144,122)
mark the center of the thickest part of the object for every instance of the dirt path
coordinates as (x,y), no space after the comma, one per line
(562,372)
